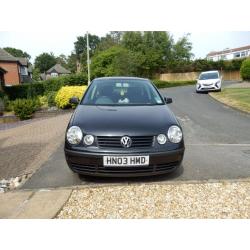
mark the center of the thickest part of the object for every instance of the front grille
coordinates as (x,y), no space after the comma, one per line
(115,141)
(95,169)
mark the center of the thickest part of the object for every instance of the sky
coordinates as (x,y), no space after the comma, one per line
(63,42)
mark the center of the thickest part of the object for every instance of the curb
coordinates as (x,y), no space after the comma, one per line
(174,182)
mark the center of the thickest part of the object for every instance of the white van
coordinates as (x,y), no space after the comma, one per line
(208,81)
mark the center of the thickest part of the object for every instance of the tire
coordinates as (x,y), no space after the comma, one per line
(219,90)
(197,91)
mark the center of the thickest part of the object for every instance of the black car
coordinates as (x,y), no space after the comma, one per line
(123,127)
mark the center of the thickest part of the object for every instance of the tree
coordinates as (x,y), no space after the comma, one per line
(113,62)
(62,59)
(45,61)
(111,39)
(182,49)
(17,52)
(81,44)
(72,62)
(132,40)
(81,48)
(153,50)
(36,74)
(180,56)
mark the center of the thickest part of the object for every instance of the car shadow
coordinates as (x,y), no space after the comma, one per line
(202,93)
(141,179)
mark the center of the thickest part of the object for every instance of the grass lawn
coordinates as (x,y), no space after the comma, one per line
(235,97)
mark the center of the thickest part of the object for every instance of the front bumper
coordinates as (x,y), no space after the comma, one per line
(87,163)
(204,88)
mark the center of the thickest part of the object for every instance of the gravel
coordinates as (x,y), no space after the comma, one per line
(179,200)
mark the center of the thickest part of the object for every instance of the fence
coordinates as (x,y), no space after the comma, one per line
(189,76)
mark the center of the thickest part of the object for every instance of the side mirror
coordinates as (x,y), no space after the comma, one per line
(168,100)
(74,100)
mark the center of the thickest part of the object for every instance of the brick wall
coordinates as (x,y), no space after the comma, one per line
(12,75)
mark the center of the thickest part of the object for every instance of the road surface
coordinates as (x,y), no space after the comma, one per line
(217,140)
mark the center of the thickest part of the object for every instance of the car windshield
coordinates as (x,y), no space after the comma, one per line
(208,76)
(122,92)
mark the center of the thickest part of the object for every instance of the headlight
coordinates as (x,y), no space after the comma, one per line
(74,135)
(88,139)
(174,134)
(161,138)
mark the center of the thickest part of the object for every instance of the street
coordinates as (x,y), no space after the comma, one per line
(217,140)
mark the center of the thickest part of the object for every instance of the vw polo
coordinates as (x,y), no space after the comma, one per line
(123,127)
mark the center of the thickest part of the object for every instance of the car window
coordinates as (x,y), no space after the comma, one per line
(122,92)
(208,76)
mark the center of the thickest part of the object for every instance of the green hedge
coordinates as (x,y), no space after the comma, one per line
(169,84)
(24,91)
(31,90)
(54,84)
(203,65)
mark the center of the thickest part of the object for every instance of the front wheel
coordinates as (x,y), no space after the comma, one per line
(197,91)
(219,90)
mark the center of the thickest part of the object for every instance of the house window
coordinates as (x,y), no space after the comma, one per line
(54,74)
(243,54)
(23,71)
(237,54)
(223,57)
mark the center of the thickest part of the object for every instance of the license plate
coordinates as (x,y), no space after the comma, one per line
(125,161)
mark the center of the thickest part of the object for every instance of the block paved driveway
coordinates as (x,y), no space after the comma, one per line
(217,142)
(26,145)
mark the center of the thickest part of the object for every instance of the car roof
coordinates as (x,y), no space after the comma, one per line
(121,78)
(211,71)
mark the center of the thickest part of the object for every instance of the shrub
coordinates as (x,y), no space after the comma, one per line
(65,93)
(168,84)
(31,90)
(44,101)
(8,104)
(24,108)
(245,70)
(2,94)
(1,106)
(51,98)
(54,84)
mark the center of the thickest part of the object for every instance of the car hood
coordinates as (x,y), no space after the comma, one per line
(209,81)
(124,120)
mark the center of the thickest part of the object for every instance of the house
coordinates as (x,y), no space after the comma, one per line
(229,54)
(16,69)
(55,71)
(2,73)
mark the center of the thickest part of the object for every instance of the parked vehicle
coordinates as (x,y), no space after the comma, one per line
(209,81)
(123,127)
